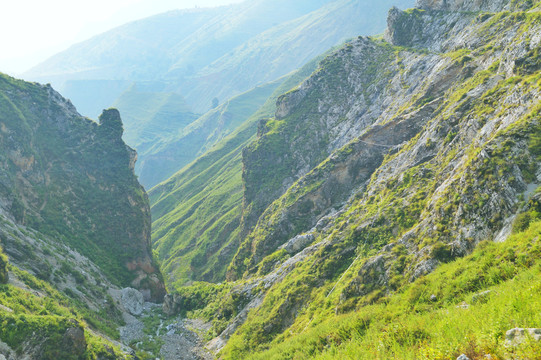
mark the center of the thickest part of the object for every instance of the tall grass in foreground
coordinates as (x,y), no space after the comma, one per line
(461,319)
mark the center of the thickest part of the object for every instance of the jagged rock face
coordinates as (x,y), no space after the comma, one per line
(463,222)
(133,301)
(332,109)
(433,164)
(329,116)
(72,179)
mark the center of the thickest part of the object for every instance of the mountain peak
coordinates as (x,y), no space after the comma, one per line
(110,120)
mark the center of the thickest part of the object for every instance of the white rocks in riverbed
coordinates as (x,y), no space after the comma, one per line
(133,301)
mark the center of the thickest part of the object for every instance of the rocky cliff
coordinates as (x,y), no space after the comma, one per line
(382,96)
(396,158)
(467,5)
(71,179)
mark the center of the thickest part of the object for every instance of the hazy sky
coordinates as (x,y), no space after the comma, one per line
(33,30)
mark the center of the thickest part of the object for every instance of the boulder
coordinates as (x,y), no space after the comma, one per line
(170,306)
(298,243)
(518,335)
(481,297)
(74,342)
(133,301)
(463,357)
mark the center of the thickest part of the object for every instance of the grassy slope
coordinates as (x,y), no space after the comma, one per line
(202,202)
(409,325)
(401,328)
(298,317)
(169,151)
(36,315)
(404,329)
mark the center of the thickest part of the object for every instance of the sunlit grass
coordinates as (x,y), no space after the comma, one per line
(409,325)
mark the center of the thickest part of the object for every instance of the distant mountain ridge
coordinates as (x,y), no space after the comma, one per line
(167,47)
(198,57)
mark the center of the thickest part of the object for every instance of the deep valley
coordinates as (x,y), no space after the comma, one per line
(312,187)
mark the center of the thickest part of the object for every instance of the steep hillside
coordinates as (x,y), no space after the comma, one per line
(75,226)
(197,211)
(348,97)
(383,179)
(72,179)
(183,144)
(38,322)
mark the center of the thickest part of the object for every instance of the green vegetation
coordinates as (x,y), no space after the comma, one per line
(4,276)
(197,212)
(71,178)
(410,325)
(38,318)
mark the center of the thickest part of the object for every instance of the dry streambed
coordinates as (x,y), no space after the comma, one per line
(148,330)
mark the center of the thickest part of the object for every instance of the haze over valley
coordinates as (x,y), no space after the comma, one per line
(272,179)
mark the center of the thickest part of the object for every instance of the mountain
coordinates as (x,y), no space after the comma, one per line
(391,199)
(179,64)
(167,47)
(197,211)
(284,48)
(75,226)
(184,144)
(196,47)
(58,171)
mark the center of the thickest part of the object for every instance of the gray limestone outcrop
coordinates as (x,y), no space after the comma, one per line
(133,301)
(519,335)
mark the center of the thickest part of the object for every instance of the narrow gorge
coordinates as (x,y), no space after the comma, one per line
(379,201)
